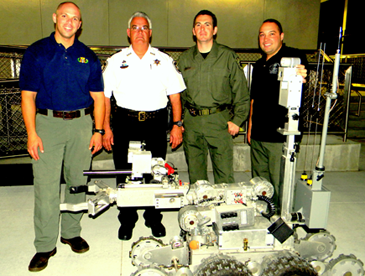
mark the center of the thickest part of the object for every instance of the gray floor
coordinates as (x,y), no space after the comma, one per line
(346,223)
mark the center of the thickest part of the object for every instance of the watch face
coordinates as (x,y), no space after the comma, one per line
(178,123)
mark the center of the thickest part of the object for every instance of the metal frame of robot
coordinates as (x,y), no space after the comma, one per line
(231,226)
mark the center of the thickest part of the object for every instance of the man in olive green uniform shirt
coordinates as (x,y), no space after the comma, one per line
(215,82)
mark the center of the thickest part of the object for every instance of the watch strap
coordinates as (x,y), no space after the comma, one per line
(101,131)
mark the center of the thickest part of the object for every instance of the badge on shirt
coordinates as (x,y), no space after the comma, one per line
(157,62)
(124,65)
(82,60)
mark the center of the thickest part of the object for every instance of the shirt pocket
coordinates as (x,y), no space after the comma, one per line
(219,85)
(189,76)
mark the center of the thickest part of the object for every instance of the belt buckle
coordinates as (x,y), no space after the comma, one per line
(69,115)
(205,112)
(142,116)
(192,111)
(63,116)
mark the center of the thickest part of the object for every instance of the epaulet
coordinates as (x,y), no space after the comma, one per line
(238,61)
(118,51)
(153,51)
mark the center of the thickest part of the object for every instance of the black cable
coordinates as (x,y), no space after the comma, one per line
(270,206)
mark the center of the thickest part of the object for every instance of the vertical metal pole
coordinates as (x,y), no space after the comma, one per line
(344,22)
(318,173)
(347,88)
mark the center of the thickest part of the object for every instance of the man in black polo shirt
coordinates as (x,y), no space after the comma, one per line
(60,80)
(266,115)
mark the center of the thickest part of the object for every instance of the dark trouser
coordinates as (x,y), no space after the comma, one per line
(153,132)
(266,162)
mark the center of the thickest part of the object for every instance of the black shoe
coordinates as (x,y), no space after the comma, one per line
(125,232)
(158,230)
(40,260)
(78,244)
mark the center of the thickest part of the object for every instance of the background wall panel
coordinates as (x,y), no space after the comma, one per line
(121,11)
(94,20)
(236,19)
(20,21)
(95,29)
(300,20)
(105,21)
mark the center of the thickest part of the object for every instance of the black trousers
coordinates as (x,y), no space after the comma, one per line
(128,128)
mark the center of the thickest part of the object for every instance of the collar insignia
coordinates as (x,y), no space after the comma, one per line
(157,62)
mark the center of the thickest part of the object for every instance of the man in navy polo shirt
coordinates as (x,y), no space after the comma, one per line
(60,81)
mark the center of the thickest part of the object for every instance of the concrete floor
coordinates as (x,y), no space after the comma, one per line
(346,222)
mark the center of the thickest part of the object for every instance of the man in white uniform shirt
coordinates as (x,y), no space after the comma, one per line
(141,78)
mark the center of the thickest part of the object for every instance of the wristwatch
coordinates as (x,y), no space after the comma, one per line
(101,131)
(178,123)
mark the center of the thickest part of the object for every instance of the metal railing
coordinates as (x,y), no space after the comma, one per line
(13,134)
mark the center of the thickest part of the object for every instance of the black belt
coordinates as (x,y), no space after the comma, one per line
(194,111)
(66,115)
(141,115)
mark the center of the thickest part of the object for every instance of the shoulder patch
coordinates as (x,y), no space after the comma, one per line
(105,65)
(239,62)
(176,67)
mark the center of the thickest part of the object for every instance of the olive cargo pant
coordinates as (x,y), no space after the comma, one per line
(208,133)
(266,162)
(67,142)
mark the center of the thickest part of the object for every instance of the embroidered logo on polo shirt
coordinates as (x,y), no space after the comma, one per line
(82,60)
(274,68)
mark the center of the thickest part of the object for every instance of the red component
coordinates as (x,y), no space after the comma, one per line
(170,169)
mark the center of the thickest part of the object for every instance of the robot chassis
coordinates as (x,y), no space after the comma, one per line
(231,228)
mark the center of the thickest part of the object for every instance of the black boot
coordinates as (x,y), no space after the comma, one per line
(127,218)
(157,228)
(153,220)
(125,232)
